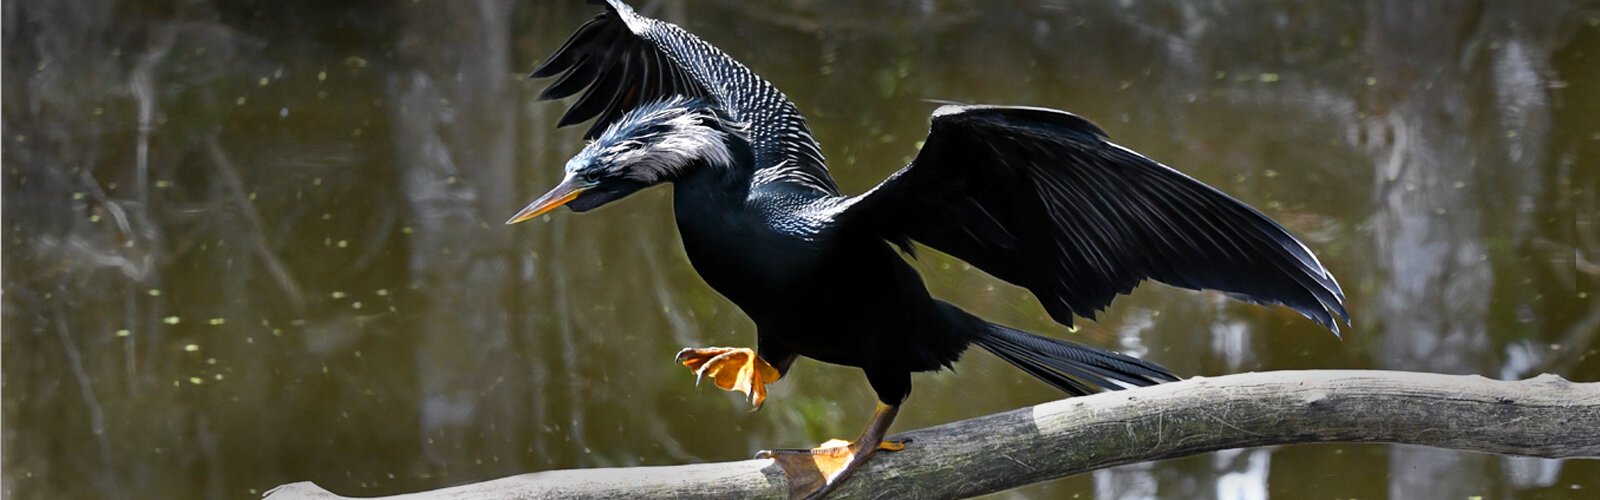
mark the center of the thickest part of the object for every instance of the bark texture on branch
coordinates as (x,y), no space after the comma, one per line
(1544,416)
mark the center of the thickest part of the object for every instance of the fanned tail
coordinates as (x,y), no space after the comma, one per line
(1074,368)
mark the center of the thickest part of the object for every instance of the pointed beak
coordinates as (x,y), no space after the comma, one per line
(566,191)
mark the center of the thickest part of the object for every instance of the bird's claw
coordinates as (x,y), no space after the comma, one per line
(735,369)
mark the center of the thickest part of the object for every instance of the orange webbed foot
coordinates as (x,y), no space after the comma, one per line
(736,369)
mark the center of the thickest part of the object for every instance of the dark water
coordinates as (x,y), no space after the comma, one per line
(248,243)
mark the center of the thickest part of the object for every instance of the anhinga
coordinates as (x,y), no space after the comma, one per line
(1037,197)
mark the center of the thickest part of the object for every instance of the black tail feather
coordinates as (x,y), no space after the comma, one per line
(1073,368)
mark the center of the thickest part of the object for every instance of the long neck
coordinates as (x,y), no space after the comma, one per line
(723,187)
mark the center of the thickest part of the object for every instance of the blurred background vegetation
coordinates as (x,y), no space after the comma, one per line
(252,242)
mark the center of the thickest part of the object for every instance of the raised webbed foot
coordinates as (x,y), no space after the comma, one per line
(736,369)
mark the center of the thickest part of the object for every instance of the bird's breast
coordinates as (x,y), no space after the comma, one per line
(842,301)
(751,265)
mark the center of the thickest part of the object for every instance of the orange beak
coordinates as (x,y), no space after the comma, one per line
(566,191)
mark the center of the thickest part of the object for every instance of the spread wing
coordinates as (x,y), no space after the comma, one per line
(1040,198)
(625,60)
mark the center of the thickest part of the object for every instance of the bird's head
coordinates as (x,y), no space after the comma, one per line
(654,143)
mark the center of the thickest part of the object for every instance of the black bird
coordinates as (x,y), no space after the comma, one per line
(1037,197)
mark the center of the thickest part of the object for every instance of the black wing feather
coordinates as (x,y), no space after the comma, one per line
(1040,198)
(571,53)
(598,98)
(581,75)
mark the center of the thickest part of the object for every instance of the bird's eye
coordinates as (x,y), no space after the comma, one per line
(589,177)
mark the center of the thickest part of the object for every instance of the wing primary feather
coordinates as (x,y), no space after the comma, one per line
(603,92)
(626,90)
(575,79)
(577,44)
(1085,219)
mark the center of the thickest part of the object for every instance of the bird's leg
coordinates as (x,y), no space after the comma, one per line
(815,472)
(733,369)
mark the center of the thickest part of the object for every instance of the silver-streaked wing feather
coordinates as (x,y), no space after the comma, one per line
(625,60)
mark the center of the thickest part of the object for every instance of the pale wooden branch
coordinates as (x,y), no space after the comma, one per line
(1543,417)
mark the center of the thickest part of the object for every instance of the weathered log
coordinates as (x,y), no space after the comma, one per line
(1544,416)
